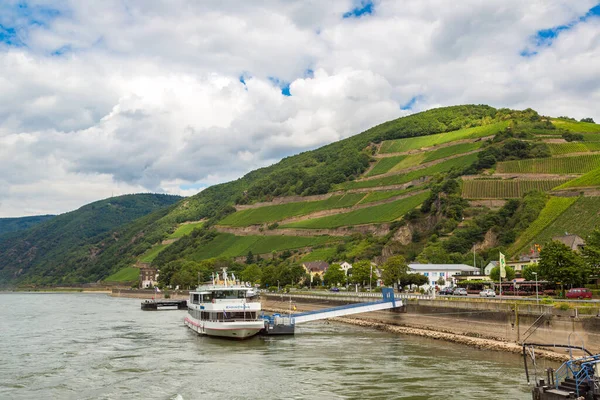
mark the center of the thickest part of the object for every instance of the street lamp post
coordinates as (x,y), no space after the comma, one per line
(370,276)
(537,299)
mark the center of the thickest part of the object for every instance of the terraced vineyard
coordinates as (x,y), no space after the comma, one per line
(383,195)
(553,209)
(505,189)
(561,165)
(228,245)
(412,160)
(580,219)
(376,214)
(401,145)
(385,164)
(268,214)
(592,178)
(591,137)
(566,148)
(451,151)
(444,166)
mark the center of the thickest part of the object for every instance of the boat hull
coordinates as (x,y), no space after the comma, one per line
(233,329)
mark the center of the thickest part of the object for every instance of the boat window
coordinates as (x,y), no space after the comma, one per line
(207,297)
(195,298)
(241,294)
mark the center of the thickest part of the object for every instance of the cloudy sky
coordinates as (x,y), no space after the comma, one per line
(107,97)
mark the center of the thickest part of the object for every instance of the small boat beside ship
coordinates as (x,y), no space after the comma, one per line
(224,309)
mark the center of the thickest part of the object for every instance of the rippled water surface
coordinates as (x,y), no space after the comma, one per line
(92,346)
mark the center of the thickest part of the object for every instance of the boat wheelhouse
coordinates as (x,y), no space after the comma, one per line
(224,310)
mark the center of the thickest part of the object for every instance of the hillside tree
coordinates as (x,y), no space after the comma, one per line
(559,264)
(334,275)
(394,269)
(251,273)
(361,271)
(528,272)
(495,274)
(591,253)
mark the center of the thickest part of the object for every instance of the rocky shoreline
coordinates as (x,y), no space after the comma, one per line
(479,343)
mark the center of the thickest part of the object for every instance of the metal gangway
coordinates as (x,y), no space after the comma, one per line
(388,302)
(280,325)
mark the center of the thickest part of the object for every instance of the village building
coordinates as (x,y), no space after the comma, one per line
(488,268)
(148,277)
(315,268)
(574,242)
(346,266)
(450,273)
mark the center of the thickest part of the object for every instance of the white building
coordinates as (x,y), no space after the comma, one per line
(446,271)
(488,268)
(345,267)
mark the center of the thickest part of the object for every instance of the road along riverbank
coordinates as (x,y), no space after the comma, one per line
(499,326)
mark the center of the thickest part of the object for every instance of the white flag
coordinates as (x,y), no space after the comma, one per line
(502,266)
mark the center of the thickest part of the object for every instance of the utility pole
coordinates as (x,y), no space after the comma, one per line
(370,276)
(537,299)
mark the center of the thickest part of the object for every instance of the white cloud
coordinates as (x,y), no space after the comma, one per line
(146,96)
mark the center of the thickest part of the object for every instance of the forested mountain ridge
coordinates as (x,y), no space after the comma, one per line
(56,247)
(8,225)
(413,186)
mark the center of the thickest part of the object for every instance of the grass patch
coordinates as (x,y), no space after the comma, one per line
(592,178)
(322,254)
(505,189)
(151,253)
(185,229)
(444,166)
(401,145)
(579,127)
(551,211)
(228,245)
(127,274)
(376,214)
(267,214)
(562,165)
(580,219)
(385,164)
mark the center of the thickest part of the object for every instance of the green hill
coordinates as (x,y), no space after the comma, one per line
(52,251)
(350,200)
(8,225)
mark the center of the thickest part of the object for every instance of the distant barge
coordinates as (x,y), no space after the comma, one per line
(153,305)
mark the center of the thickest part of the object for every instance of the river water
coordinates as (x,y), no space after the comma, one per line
(92,346)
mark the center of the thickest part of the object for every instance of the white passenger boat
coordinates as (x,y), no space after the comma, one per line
(225,310)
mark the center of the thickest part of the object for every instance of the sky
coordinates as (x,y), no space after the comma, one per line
(108,97)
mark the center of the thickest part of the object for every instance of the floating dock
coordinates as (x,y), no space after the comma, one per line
(154,305)
(285,325)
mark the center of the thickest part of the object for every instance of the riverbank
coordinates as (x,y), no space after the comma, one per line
(478,343)
(487,326)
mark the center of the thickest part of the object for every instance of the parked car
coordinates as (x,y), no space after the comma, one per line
(487,293)
(334,289)
(460,292)
(446,291)
(579,293)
